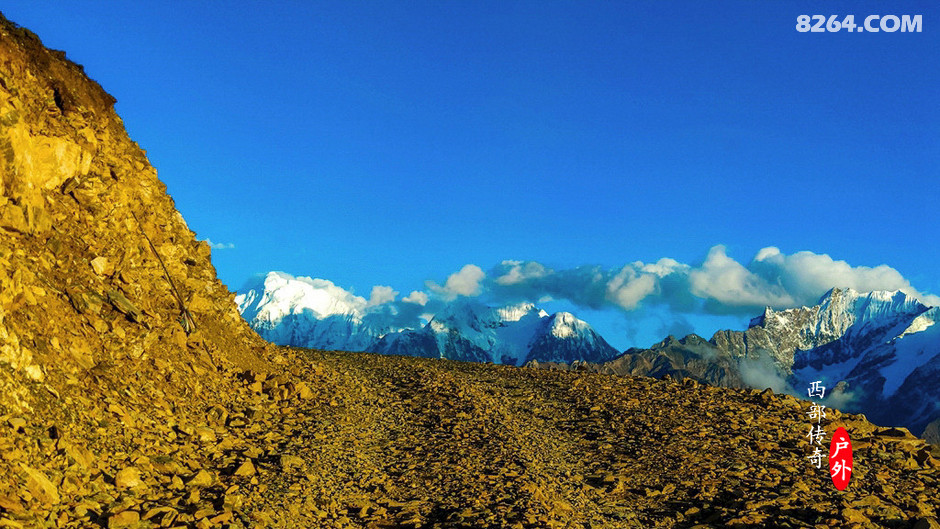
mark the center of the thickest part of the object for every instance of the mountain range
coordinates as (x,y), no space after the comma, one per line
(314,313)
(876,352)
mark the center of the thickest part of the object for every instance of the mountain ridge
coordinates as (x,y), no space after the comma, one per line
(865,346)
(876,352)
(299,312)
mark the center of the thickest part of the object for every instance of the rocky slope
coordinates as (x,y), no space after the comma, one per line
(133,395)
(114,331)
(932,432)
(97,268)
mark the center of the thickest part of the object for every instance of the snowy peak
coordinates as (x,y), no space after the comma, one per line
(838,331)
(883,345)
(565,325)
(466,315)
(517,312)
(840,314)
(277,295)
(315,313)
(922,322)
(511,335)
(500,335)
(878,352)
(877,307)
(565,338)
(306,312)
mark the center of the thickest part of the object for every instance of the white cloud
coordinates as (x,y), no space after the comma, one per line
(417,297)
(466,282)
(723,280)
(806,275)
(930,300)
(719,285)
(666,291)
(520,271)
(322,296)
(219,245)
(381,295)
(628,287)
(763,373)
(663,267)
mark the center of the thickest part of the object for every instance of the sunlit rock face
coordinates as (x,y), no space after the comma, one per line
(96,263)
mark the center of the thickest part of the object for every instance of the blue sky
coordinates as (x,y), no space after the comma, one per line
(393,143)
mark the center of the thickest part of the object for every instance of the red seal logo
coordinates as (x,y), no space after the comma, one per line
(840,458)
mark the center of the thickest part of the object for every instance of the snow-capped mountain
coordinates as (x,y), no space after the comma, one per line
(872,341)
(510,335)
(565,338)
(856,321)
(315,313)
(305,312)
(885,347)
(878,353)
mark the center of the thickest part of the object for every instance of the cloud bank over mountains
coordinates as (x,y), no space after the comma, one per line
(719,285)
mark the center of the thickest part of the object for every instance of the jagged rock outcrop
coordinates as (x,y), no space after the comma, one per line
(691,356)
(932,433)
